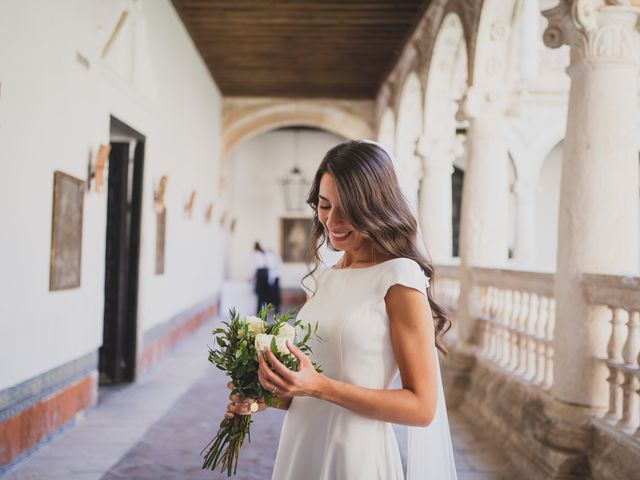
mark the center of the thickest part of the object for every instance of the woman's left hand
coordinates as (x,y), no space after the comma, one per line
(306,382)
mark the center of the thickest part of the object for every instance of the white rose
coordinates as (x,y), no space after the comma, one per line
(281,345)
(255,324)
(287,331)
(263,341)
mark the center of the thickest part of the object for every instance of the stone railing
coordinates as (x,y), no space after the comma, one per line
(620,298)
(516,321)
(447,285)
(515,317)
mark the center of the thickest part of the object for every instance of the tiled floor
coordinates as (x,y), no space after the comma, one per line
(157,428)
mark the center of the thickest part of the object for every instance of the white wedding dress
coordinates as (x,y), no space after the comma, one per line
(323,441)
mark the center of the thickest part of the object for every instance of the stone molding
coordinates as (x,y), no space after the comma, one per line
(595,30)
(22,433)
(157,331)
(22,396)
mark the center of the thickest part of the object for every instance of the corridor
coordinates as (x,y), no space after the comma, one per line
(156,428)
(163,155)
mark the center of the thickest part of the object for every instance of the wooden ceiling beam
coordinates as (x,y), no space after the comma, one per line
(313,48)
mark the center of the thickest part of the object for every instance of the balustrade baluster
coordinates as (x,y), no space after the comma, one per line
(614,361)
(541,344)
(531,321)
(514,334)
(485,293)
(493,345)
(497,322)
(522,333)
(505,323)
(548,334)
(485,299)
(630,350)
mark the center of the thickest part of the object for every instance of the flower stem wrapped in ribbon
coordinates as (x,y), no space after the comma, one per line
(236,355)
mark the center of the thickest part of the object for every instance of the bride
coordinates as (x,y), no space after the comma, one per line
(376,318)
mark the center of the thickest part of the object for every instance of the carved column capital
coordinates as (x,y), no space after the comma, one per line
(438,154)
(596,30)
(481,101)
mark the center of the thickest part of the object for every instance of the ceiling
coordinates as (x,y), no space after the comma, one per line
(302,49)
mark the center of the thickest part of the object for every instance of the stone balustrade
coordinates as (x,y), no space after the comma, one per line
(511,356)
(515,318)
(447,285)
(619,297)
(516,321)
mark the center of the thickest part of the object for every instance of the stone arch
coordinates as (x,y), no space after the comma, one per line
(440,145)
(408,70)
(408,131)
(447,77)
(494,46)
(245,118)
(409,123)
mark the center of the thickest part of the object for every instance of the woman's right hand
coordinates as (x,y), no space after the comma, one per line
(241,406)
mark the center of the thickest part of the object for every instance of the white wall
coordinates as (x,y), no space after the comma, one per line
(257,201)
(53,111)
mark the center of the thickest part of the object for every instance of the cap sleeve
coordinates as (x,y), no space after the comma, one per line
(404,271)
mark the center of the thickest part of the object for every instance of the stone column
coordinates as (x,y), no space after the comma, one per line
(435,202)
(410,181)
(598,224)
(485,197)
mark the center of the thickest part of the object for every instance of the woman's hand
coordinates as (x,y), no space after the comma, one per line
(305,382)
(240,405)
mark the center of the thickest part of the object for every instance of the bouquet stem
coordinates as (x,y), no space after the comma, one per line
(224,449)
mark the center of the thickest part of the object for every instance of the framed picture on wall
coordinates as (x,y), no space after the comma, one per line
(295,239)
(66,232)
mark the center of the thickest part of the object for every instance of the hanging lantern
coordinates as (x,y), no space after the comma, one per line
(295,186)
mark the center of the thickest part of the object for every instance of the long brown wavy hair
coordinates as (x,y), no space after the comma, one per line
(370,196)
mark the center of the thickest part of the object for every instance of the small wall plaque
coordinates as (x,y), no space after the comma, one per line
(66,232)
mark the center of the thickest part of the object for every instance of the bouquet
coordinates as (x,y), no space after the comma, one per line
(236,355)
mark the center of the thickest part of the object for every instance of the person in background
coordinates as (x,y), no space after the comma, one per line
(274,264)
(261,277)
